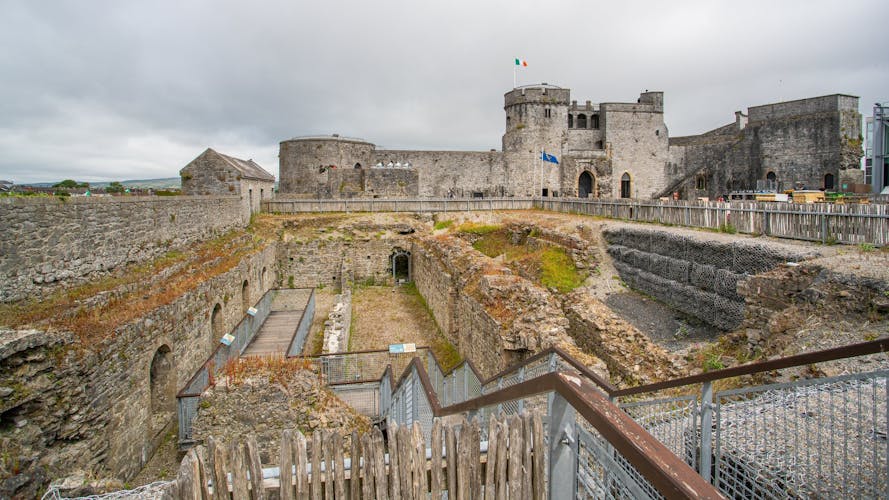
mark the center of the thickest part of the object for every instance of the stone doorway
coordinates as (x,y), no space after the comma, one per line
(585,185)
(401,266)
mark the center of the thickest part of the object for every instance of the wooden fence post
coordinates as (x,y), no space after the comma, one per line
(285,465)
(394,462)
(355,468)
(435,461)
(255,467)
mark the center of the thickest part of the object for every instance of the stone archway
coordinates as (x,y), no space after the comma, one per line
(586,185)
(216,323)
(401,265)
(162,377)
(245,296)
(828,181)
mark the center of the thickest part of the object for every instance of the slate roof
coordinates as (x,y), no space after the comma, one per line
(248,168)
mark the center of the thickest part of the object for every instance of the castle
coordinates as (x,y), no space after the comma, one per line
(608,150)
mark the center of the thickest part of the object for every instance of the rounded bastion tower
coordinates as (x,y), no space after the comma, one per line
(536,119)
(306,162)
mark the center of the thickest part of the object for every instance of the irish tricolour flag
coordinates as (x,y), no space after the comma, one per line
(519,63)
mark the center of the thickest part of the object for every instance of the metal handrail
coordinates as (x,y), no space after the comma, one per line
(847,351)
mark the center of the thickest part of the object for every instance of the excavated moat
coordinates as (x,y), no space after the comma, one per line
(669,328)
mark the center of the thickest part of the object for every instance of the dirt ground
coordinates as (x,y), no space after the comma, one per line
(163,465)
(383,315)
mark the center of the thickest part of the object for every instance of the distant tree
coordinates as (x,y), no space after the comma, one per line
(67,183)
(115,187)
(84,185)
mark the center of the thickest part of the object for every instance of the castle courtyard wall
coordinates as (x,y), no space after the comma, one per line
(80,405)
(47,241)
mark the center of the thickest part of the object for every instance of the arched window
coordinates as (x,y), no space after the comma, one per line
(358,165)
(508,121)
(771,176)
(625,186)
(594,121)
(828,181)
(570,121)
(216,323)
(161,380)
(581,121)
(586,185)
(245,295)
(701,182)
(263,279)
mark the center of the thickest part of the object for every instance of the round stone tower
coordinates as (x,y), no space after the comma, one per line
(536,119)
(306,162)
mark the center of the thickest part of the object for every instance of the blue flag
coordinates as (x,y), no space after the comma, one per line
(549,158)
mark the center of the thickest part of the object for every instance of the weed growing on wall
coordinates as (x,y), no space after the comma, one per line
(549,265)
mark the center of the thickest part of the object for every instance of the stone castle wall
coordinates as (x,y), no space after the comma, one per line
(47,241)
(799,141)
(89,407)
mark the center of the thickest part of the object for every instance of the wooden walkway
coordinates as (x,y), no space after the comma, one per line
(274,335)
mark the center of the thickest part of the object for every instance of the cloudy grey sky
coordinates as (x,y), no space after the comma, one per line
(104,90)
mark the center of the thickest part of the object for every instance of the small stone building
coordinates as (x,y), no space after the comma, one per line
(213,173)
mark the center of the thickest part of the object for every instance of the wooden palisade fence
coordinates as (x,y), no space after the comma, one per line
(402,466)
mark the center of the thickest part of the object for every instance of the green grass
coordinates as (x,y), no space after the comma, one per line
(558,271)
(478,229)
(443,224)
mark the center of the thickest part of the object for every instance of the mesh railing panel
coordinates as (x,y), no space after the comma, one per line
(813,439)
(302,330)
(352,367)
(673,421)
(602,472)
(364,398)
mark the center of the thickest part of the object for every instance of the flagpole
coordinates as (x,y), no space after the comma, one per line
(513,75)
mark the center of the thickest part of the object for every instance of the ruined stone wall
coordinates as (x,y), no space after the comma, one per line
(45,241)
(493,317)
(696,275)
(319,262)
(434,280)
(70,405)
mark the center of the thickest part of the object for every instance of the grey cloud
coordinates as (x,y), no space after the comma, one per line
(113,90)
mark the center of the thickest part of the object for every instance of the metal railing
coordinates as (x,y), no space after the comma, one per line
(189,397)
(814,438)
(298,342)
(361,366)
(822,437)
